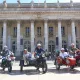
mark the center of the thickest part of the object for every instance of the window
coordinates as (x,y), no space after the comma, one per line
(63,31)
(64,44)
(27,45)
(77,44)
(2,32)
(1,45)
(76,31)
(50,31)
(38,31)
(27,31)
(15,31)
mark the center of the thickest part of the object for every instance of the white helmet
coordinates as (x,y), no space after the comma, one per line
(62,48)
(5,47)
(39,44)
(72,44)
(25,49)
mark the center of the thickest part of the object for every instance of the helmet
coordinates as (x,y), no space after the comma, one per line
(72,44)
(25,49)
(62,48)
(5,47)
(39,44)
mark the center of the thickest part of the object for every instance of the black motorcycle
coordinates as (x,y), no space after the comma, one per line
(42,63)
(7,62)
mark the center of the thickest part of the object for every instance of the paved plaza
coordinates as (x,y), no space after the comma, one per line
(30,73)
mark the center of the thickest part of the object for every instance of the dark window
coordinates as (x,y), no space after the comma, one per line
(15,31)
(27,31)
(76,31)
(50,31)
(77,44)
(2,32)
(38,31)
(64,44)
(63,31)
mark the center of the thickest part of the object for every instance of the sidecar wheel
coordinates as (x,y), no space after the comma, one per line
(3,68)
(57,65)
(21,68)
(71,67)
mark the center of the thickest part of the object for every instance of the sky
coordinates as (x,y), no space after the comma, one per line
(40,1)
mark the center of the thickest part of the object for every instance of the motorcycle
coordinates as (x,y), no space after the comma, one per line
(33,62)
(70,61)
(6,62)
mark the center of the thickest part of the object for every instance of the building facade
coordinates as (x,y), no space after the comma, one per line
(54,25)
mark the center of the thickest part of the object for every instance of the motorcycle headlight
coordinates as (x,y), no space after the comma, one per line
(43,55)
(37,56)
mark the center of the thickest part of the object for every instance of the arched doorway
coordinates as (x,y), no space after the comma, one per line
(27,45)
(51,46)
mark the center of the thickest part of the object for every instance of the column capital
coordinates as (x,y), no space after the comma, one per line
(18,21)
(32,20)
(5,21)
(73,19)
(59,19)
(45,20)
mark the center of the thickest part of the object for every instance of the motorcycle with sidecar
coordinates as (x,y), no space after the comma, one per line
(33,62)
(70,61)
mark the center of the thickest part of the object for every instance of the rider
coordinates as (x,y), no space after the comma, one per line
(72,50)
(5,51)
(38,52)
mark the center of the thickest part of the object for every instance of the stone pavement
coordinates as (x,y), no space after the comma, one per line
(30,73)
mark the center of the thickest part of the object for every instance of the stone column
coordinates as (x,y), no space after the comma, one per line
(46,35)
(73,32)
(32,36)
(59,35)
(4,33)
(18,38)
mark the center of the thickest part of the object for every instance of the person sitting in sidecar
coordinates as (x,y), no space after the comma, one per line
(63,55)
(27,56)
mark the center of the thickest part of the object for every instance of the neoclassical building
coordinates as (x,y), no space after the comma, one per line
(23,25)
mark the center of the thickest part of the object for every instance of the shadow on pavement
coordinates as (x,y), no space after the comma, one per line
(17,72)
(64,71)
(34,72)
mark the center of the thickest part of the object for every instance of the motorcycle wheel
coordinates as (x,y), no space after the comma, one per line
(21,68)
(9,68)
(57,65)
(71,67)
(44,68)
(3,68)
